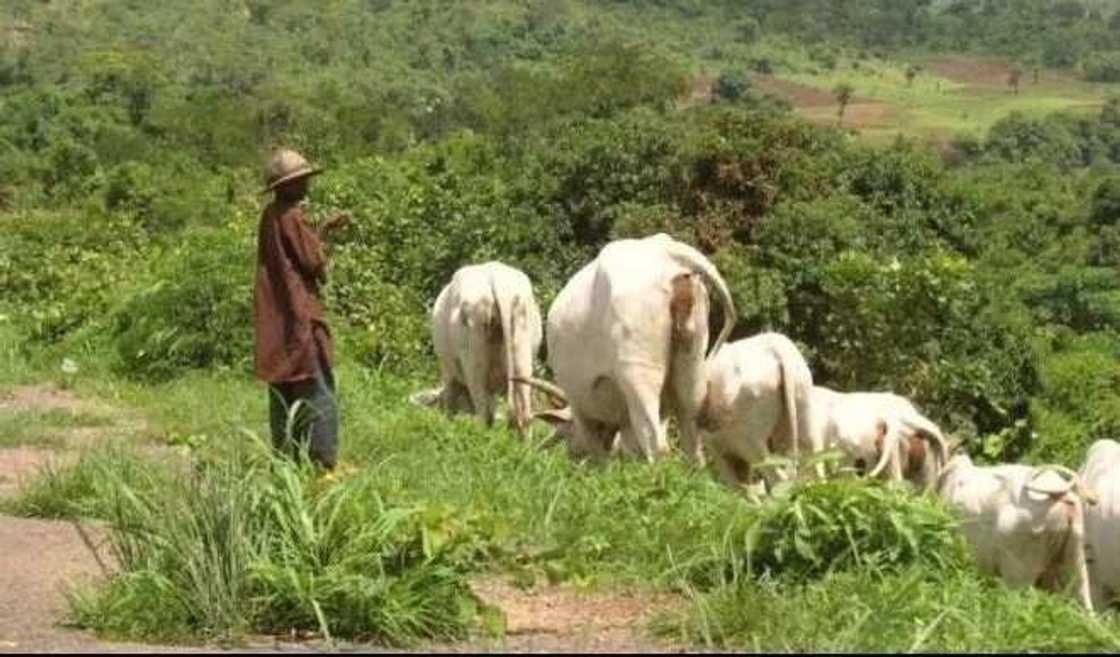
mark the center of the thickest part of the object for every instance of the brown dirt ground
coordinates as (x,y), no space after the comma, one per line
(857,115)
(20,464)
(40,560)
(801,95)
(970,70)
(562,619)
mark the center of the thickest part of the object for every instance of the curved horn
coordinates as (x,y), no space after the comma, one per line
(689,257)
(889,445)
(551,389)
(942,445)
(1074,479)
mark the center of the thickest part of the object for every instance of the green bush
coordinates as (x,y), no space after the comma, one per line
(818,528)
(196,314)
(63,270)
(1103,66)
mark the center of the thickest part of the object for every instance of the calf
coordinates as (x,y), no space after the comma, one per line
(1101,472)
(757,404)
(879,428)
(1024,524)
(486,327)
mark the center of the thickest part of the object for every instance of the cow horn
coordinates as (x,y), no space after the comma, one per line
(884,457)
(1075,482)
(551,389)
(942,446)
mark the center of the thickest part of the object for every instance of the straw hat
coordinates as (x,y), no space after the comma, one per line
(286,166)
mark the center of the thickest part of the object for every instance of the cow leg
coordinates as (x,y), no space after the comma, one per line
(643,402)
(456,398)
(1017,573)
(1098,592)
(689,388)
(590,440)
(1077,570)
(477,374)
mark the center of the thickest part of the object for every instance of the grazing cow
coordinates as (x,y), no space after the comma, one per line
(626,340)
(879,428)
(1024,523)
(1101,472)
(486,326)
(757,404)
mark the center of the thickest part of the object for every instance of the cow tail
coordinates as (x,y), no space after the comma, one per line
(690,258)
(505,317)
(789,383)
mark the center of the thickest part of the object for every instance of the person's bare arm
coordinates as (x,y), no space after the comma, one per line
(338,221)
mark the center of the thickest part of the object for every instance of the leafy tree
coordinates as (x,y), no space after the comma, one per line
(1103,66)
(749,30)
(912,72)
(843,93)
(732,85)
(1014,76)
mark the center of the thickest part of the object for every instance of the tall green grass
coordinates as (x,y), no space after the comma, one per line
(252,543)
(84,488)
(907,611)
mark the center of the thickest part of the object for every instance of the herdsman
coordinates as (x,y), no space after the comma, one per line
(294,352)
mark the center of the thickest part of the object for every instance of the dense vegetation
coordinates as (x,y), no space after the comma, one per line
(983,284)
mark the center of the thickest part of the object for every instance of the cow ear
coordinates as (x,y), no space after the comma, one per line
(555,417)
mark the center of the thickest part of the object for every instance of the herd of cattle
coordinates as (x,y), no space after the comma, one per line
(627,343)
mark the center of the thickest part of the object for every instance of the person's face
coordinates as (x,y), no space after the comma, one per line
(295,190)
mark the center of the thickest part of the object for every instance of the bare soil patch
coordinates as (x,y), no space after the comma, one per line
(38,560)
(801,95)
(977,71)
(870,115)
(42,397)
(18,465)
(562,619)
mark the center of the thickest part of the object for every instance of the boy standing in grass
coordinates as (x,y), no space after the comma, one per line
(293,348)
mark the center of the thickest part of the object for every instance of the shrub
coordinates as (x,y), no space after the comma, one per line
(63,270)
(1103,66)
(197,313)
(762,65)
(732,85)
(845,525)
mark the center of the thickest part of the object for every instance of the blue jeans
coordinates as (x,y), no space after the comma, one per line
(317,417)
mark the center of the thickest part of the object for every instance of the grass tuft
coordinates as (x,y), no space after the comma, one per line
(249,542)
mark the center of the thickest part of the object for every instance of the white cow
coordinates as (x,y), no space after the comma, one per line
(486,327)
(1024,523)
(1101,472)
(879,428)
(626,339)
(757,404)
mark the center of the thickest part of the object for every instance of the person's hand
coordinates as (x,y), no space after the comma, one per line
(338,221)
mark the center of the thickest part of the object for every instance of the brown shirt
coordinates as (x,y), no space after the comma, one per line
(291,332)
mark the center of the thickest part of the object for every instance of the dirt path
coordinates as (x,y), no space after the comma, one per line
(38,561)
(561,619)
(41,559)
